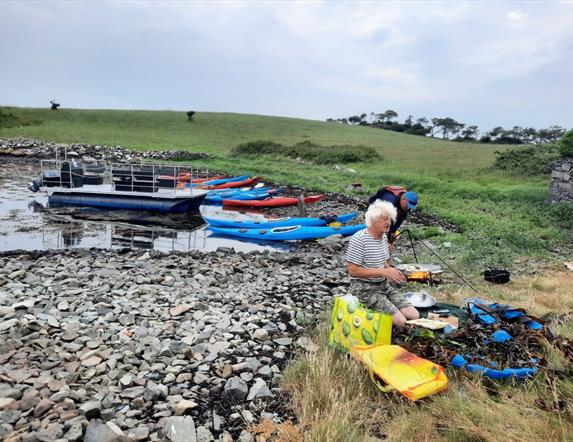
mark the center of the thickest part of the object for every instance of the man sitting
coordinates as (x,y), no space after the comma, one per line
(368,266)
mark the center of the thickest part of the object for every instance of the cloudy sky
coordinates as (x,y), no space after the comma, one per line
(486,63)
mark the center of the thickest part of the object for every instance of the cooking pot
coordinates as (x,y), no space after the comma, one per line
(420,299)
(497,276)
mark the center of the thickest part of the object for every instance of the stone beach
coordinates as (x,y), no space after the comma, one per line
(132,345)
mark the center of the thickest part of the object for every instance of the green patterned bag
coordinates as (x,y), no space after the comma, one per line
(352,324)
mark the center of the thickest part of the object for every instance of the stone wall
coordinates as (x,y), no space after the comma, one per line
(561,189)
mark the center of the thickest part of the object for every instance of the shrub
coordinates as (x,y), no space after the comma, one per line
(309,151)
(566,144)
(535,160)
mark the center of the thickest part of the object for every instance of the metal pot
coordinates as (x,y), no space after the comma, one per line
(420,299)
(496,276)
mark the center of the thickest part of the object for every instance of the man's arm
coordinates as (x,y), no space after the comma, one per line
(388,272)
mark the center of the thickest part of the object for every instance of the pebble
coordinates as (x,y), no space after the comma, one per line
(115,354)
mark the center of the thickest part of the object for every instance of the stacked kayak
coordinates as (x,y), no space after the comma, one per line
(288,233)
(271,202)
(217,196)
(279,222)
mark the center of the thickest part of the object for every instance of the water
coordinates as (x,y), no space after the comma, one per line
(27,222)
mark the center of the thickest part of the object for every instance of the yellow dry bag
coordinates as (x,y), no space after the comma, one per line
(400,370)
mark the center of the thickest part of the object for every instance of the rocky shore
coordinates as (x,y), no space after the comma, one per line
(127,345)
(31,148)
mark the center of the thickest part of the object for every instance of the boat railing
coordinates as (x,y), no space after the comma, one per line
(126,177)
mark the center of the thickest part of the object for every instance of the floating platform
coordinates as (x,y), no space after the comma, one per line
(147,187)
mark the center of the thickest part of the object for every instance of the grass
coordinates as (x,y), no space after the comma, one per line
(335,400)
(501,216)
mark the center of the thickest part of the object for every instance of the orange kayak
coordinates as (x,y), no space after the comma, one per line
(232,184)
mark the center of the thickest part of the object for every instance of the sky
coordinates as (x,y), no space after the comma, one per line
(484,63)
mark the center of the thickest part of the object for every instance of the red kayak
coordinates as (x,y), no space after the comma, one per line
(232,184)
(272,202)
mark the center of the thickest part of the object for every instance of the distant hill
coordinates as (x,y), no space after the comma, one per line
(218,133)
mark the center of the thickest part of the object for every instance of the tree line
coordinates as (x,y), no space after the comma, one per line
(450,129)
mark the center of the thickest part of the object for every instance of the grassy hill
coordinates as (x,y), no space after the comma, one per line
(500,216)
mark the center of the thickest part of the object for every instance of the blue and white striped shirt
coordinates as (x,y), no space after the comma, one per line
(366,251)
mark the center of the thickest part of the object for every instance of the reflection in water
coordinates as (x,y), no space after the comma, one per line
(26,222)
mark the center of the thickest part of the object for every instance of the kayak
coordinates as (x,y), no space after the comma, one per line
(202,180)
(279,222)
(239,196)
(230,184)
(215,182)
(292,233)
(272,202)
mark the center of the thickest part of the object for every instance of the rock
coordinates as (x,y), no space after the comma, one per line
(261,334)
(259,390)
(132,393)
(140,433)
(91,409)
(235,390)
(75,433)
(7,403)
(184,406)
(51,433)
(245,436)
(100,432)
(7,325)
(92,361)
(179,310)
(307,344)
(30,399)
(180,429)
(204,435)
(42,406)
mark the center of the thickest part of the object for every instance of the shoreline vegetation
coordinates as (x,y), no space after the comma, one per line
(501,219)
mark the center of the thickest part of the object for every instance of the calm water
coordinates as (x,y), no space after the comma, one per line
(27,222)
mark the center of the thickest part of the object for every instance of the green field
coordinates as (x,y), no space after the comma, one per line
(501,217)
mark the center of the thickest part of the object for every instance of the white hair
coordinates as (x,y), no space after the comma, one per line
(379,209)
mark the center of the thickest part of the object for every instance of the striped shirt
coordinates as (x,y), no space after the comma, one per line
(366,251)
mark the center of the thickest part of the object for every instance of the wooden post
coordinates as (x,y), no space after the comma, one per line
(301,206)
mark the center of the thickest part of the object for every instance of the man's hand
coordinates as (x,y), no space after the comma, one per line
(394,275)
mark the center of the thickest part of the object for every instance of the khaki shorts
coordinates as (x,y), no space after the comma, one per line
(379,296)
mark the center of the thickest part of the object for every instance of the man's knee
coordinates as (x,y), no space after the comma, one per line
(410,313)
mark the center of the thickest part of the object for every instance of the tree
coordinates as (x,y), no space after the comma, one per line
(468,133)
(566,144)
(550,135)
(354,119)
(448,126)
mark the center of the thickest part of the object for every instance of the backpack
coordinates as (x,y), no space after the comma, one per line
(395,190)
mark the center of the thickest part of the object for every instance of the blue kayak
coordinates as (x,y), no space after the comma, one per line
(280,222)
(292,233)
(224,180)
